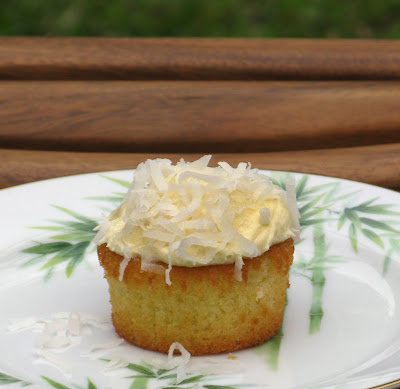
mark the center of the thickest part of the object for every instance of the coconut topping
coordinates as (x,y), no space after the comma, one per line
(190,214)
(64,329)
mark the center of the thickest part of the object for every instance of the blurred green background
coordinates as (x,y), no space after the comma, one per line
(231,18)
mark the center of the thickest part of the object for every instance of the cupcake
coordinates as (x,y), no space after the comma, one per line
(199,255)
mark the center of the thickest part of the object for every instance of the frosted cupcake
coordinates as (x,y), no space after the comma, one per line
(199,255)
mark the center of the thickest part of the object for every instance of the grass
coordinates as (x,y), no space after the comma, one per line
(230,18)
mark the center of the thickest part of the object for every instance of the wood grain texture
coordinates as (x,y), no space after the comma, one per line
(379,165)
(197,59)
(204,117)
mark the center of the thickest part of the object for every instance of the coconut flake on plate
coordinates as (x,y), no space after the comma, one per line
(114,364)
(99,349)
(26,323)
(52,359)
(74,323)
(178,362)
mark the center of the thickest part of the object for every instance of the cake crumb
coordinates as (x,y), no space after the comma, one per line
(231,356)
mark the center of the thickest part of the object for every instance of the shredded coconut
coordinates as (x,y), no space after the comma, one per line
(102,229)
(26,323)
(238,268)
(53,336)
(74,323)
(54,360)
(218,365)
(114,364)
(149,265)
(64,329)
(99,349)
(189,209)
(106,346)
(122,266)
(178,362)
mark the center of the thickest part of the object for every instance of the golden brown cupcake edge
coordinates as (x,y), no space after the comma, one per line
(205,309)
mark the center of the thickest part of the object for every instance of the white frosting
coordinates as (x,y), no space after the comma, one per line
(194,215)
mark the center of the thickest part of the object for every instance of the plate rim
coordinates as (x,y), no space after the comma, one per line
(68,176)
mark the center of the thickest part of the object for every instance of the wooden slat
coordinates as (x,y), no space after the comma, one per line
(196,58)
(184,116)
(377,165)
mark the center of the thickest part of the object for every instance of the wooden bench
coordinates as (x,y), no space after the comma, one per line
(74,105)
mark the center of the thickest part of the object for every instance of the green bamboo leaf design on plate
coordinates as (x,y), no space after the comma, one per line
(278,180)
(148,373)
(162,371)
(59,385)
(73,254)
(49,274)
(301,186)
(139,383)
(189,380)
(310,222)
(33,261)
(76,259)
(142,370)
(342,220)
(77,236)
(379,209)
(395,244)
(311,204)
(91,385)
(68,225)
(269,350)
(55,384)
(6,379)
(314,212)
(73,239)
(78,216)
(57,259)
(118,181)
(168,376)
(317,279)
(366,203)
(344,196)
(377,224)
(314,201)
(111,199)
(386,262)
(373,237)
(353,236)
(366,224)
(314,205)
(353,217)
(121,194)
(316,188)
(47,248)
(49,228)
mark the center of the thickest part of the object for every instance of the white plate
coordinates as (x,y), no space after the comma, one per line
(342,321)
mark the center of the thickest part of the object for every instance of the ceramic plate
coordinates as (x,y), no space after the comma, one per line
(342,321)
